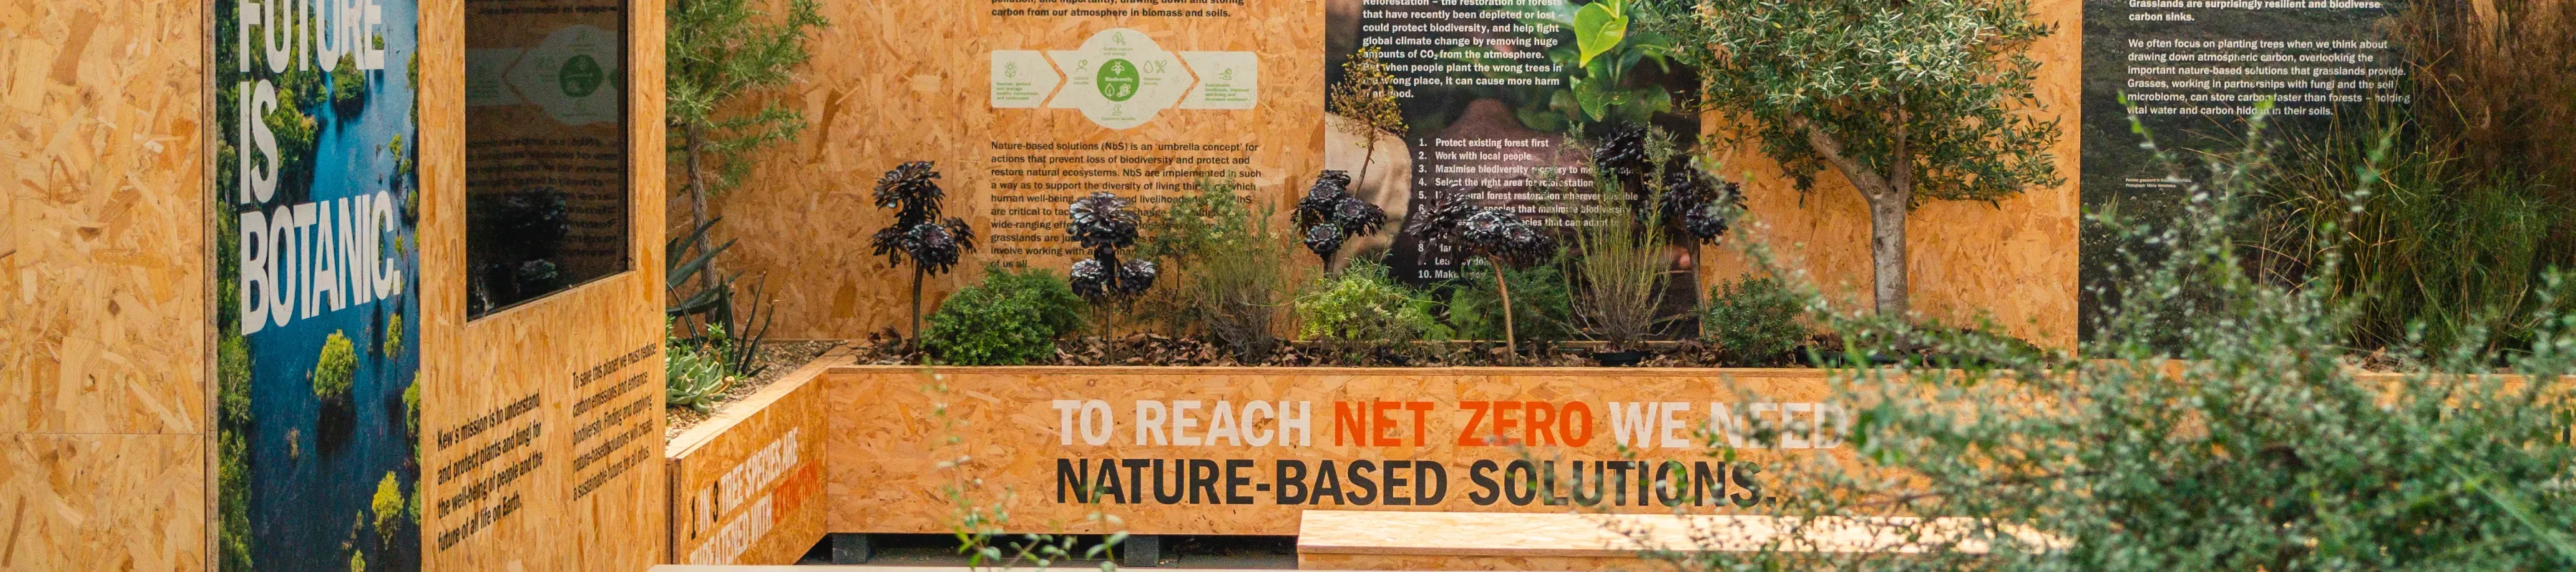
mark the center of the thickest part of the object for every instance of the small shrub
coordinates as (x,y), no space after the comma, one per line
(1010,318)
(1363,315)
(1542,304)
(337,369)
(1754,321)
(1234,264)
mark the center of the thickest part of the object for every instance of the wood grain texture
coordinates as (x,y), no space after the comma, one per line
(701,458)
(541,348)
(103,502)
(904,80)
(102,236)
(2013,261)
(1418,562)
(887,438)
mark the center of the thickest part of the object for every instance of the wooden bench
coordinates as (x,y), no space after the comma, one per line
(1363,540)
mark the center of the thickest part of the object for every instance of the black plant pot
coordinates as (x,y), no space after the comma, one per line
(1628,358)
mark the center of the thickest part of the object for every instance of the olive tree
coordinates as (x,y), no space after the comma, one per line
(1909,100)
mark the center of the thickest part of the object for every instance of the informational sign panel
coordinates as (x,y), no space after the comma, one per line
(1143,101)
(1246,451)
(545,153)
(1492,94)
(315,200)
(2193,71)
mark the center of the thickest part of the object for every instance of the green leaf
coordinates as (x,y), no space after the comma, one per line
(1598,27)
(1594,95)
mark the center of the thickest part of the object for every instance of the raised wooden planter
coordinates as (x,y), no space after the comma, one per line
(1245,451)
(745,483)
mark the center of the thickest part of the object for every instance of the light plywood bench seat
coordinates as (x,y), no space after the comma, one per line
(1358,540)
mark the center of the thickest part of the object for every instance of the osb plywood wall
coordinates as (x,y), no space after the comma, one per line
(746,484)
(904,80)
(888,441)
(2013,261)
(590,497)
(103,348)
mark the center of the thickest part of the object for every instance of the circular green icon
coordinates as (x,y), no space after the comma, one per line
(580,76)
(1118,80)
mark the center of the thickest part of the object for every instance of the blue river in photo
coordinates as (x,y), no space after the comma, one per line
(313,476)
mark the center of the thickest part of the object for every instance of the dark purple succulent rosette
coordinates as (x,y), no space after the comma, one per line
(1330,216)
(1694,204)
(912,191)
(1102,222)
(1495,234)
(1622,157)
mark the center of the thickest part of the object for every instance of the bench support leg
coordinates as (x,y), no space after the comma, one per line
(851,548)
(1141,551)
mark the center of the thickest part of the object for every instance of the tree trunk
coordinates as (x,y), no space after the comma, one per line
(1511,341)
(1888,202)
(1887,254)
(696,142)
(916,302)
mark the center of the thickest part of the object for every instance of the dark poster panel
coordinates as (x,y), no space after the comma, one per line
(315,197)
(2193,70)
(545,147)
(1491,93)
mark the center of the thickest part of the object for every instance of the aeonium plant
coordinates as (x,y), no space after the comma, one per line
(932,244)
(1496,235)
(1330,215)
(1102,223)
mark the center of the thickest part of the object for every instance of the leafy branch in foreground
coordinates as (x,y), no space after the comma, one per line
(2213,424)
(980,528)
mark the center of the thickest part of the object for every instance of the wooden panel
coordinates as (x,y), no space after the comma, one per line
(904,80)
(103,502)
(1421,562)
(886,443)
(102,263)
(911,86)
(746,483)
(589,491)
(2013,261)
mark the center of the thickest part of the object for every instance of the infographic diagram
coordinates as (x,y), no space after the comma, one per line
(1120,79)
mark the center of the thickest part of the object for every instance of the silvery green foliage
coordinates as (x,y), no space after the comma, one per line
(2214,423)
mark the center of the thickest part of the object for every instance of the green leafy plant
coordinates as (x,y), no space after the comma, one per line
(694,375)
(336,370)
(2212,424)
(1362,315)
(1541,301)
(723,61)
(1753,321)
(1233,267)
(1009,318)
(1908,101)
(699,311)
